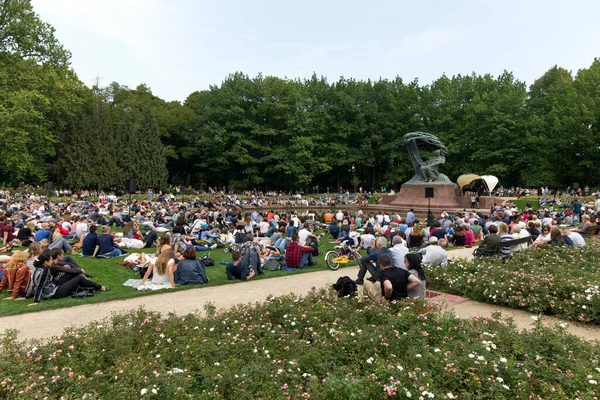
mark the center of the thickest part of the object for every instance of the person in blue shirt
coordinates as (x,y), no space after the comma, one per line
(366,263)
(90,241)
(410,216)
(42,234)
(106,245)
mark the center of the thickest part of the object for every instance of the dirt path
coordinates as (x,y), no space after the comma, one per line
(45,324)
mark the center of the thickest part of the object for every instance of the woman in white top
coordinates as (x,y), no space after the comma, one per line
(163,276)
(544,237)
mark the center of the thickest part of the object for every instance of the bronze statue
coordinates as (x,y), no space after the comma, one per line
(426,171)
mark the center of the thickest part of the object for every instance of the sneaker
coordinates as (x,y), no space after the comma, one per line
(358,281)
(214,246)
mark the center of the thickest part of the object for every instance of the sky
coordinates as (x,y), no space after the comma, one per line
(177,47)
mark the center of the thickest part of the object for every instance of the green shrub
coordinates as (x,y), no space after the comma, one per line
(316,346)
(561,281)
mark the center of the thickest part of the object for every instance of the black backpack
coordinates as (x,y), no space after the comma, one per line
(345,286)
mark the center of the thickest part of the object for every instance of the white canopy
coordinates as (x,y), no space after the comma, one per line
(490,181)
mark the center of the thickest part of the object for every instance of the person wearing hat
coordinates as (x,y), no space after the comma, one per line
(435,252)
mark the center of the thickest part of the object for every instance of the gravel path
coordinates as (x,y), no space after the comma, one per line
(46,324)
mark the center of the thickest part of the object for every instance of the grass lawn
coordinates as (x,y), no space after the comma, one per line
(107,273)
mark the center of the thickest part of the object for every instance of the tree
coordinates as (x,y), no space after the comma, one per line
(152,163)
(38,92)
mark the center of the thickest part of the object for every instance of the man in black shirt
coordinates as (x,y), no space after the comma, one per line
(394,283)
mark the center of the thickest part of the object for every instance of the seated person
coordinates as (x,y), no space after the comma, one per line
(394,283)
(477,230)
(238,268)
(576,238)
(519,233)
(52,281)
(505,237)
(90,242)
(458,239)
(366,263)
(189,270)
(17,276)
(416,237)
(43,233)
(491,240)
(544,237)
(557,238)
(412,262)
(334,229)
(297,256)
(435,254)
(162,272)
(105,247)
(584,229)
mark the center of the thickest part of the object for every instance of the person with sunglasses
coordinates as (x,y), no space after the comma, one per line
(544,237)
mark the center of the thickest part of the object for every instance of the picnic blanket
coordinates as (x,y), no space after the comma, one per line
(132,283)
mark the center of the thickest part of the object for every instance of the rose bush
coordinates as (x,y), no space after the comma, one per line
(313,347)
(552,280)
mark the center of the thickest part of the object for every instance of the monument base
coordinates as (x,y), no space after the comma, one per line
(445,197)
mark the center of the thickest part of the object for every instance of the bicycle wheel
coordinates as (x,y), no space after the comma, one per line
(329,260)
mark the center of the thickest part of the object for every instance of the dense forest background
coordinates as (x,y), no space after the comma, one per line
(277,133)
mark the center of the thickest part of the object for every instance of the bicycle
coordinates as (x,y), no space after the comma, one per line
(345,254)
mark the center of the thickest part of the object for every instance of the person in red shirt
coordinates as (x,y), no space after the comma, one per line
(297,256)
(17,276)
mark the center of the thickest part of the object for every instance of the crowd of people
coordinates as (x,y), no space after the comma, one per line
(394,249)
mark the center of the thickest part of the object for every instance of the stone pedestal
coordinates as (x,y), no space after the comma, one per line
(445,197)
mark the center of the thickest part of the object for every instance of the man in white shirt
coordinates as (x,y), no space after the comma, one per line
(367,239)
(264,227)
(304,234)
(339,216)
(576,238)
(519,233)
(399,251)
(82,228)
(435,254)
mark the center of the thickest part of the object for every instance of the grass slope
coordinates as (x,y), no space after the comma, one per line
(107,273)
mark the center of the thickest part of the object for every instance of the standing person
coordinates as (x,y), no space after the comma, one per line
(576,210)
(410,216)
(394,283)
